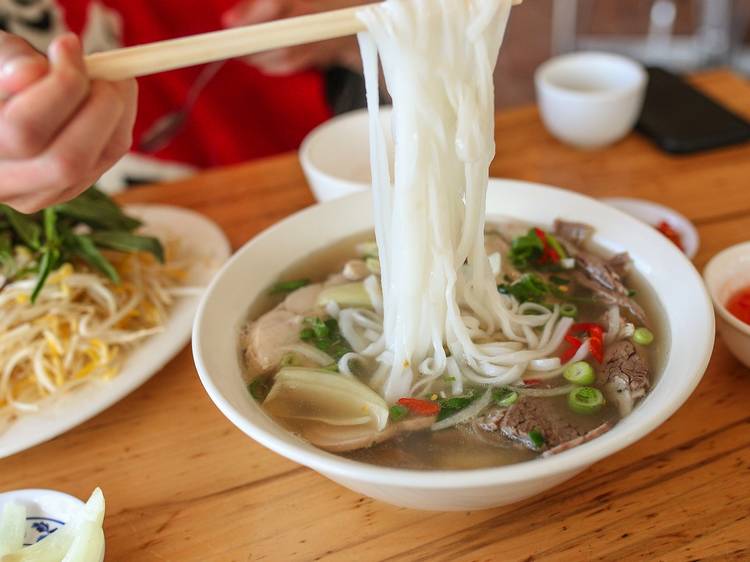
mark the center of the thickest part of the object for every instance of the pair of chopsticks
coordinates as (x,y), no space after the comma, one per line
(156,57)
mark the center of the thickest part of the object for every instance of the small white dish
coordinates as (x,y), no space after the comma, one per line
(688,319)
(206,243)
(653,213)
(335,156)
(46,511)
(726,273)
(590,99)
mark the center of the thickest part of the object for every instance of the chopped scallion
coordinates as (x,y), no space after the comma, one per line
(586,400)
(643,336)
(580,372)
(398,412)
(569,310)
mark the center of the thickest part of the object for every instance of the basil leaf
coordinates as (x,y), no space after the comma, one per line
(28,231)
(128,242)
(50,257)
(97,210)
(85,249)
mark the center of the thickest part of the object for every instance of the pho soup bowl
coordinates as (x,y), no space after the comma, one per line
(686,316)
(335,156)
(590,99)
(726,273)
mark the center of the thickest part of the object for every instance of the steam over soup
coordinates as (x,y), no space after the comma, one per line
(438,346)
(314,358)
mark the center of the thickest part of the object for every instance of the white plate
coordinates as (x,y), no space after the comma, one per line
(653,213)
(207,244)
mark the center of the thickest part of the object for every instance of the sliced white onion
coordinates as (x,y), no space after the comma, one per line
(467,413)
(613,324)
(544,392)
(310,352)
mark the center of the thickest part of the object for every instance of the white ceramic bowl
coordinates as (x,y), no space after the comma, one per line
(46,511)
(653,213)
(590,99)
(688,317)
(335,156)
(726,273)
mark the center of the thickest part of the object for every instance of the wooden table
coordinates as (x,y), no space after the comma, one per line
(182,484)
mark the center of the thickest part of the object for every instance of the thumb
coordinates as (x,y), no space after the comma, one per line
(20,64)
(247,12)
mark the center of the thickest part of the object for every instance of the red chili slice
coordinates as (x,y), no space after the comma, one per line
(568,354)
(420,407)
(597,348)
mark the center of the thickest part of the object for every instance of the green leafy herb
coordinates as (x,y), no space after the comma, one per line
(632,293)
(78,229)
(284,287)
(84,248)
(259,388)
(526,249)
(449,406)
(398,412)
(122,241)
(325,335)
(26,228)
(537,438)
(97,210)
(528,287)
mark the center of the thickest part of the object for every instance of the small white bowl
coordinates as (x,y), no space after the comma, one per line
(653,213)
(335,156)
(590,99)
(726,273)
(688,320)
(46,510)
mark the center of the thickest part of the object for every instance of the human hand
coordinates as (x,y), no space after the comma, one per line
(288,60)
(59,131)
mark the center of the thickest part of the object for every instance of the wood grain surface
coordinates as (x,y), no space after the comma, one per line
(182,484)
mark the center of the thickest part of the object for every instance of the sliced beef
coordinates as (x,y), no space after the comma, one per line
(576,233)
(535,414)
(624,375)
(602,277)
(527,415)
(609,297)
(585,438)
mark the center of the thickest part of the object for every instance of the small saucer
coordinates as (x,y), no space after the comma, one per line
(46,511)
(653,213)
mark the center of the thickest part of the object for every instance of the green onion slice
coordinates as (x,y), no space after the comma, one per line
(580,373)
(586,400)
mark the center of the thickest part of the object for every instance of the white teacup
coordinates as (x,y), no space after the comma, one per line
(590,99)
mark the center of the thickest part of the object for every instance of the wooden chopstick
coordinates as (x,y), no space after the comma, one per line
(151,58)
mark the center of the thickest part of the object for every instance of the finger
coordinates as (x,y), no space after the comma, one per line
(122,137)
(248,12)
(31,119)
(72,156)
(20,65)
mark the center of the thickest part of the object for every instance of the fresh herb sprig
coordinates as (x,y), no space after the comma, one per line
(326,336)
(77,230)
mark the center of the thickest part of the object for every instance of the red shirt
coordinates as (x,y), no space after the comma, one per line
(242,114)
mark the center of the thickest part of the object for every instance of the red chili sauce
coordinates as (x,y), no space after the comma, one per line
(739,304)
